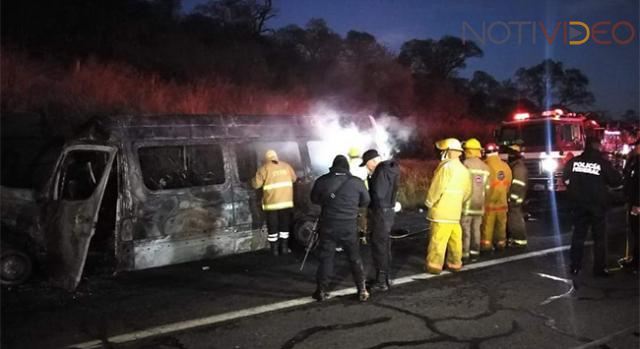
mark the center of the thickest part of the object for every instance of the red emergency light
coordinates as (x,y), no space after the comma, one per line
(521,116)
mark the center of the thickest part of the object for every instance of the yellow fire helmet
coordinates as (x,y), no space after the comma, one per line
(271,155)
(472,143)
(354,152)
(449,144)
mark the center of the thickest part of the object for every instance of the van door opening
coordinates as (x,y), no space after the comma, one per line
(101,258)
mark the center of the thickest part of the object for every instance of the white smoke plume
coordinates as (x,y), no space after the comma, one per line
(343,131)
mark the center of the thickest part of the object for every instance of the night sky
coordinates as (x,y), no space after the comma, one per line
(613,69)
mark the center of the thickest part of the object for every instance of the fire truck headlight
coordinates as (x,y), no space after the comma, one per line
(549,165)
(626,149)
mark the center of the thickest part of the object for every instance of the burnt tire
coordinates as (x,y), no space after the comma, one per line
(15,267)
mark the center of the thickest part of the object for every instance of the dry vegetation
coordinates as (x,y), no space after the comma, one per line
(414,182)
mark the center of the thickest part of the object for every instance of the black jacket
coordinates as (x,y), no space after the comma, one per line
(383,185)
(632,180)
(588,177)
(340,194)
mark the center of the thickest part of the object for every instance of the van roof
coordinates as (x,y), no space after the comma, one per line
(175,126)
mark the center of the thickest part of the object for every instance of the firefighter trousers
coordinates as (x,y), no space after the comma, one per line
(471,230)
(494,230)
(345,236)
(446,240)
(583,218)
(516,226)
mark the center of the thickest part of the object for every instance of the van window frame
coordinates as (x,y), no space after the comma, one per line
(228,175)
(300,143)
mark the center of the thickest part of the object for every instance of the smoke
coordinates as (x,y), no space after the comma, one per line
(341,132)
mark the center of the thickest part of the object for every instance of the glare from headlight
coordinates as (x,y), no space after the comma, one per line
(549,165)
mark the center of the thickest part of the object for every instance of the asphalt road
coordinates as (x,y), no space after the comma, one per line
(517,299)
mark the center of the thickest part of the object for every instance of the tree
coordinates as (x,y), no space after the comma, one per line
(243,16)
(549,83)
(439,59)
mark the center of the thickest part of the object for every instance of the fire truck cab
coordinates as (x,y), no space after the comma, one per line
(549,139)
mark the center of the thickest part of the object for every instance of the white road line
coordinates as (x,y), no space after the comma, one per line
(606,339)
(214,319)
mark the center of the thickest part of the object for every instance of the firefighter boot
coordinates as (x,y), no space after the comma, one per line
(284,246)
(382,282)
(274,248)
(363,295)
(320,294)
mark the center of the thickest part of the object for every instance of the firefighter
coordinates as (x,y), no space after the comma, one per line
(587,177)
(473,210)
(494,231)
(276,179)
(515,218)
(354,167)
(341,195)
(450,189)
(383,189)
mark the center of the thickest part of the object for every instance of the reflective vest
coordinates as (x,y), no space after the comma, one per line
(276,181)
(479,186)
(449,189)
(519,182)
(499,184)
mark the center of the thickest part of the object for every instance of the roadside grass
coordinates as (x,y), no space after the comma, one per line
(415,177)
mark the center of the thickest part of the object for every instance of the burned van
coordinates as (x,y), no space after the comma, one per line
(136,192)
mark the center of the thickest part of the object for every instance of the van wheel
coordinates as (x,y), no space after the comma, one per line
(15,267)
(303,233)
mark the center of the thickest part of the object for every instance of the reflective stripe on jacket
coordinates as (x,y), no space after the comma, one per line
(499,183)
(479,186)
(276,180)
(449,189)
(519,183)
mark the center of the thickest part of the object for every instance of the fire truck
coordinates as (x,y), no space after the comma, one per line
(548,140)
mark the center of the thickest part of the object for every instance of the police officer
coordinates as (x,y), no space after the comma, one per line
(494,231)
(473,209)
(587,177)
(383,189)
(449,189)
(276,179)
(515,218)
(340,194)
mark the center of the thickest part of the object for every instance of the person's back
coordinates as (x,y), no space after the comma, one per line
(383,184)
(588,176)
(479,175)
(341,195)
(499,183)
(276,180)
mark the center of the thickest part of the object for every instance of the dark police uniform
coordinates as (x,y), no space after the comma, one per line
(587,177)
(341,195)
(383,189)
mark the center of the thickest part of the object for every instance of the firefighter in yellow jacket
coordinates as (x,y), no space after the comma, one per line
(276,179)
(494,232)
(450,188)
(473,210)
